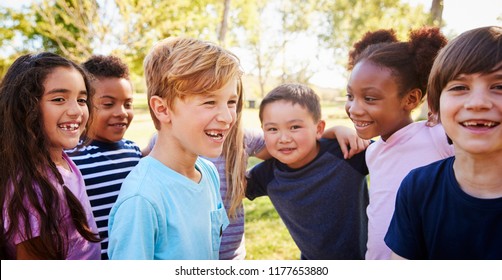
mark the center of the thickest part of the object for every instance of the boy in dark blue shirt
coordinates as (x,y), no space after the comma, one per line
(320,196)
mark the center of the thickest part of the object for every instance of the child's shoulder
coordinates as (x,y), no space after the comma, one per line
(425,178)
(86,147)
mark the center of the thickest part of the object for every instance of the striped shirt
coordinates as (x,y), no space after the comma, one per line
(104,166)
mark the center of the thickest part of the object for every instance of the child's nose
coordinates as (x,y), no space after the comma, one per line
(353,108)
(285,137)
(121,112)
(478,100)
(75,109)
(225,114)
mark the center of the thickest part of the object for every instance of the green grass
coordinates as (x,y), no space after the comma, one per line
(266,236)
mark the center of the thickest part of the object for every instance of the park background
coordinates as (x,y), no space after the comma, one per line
(278,41)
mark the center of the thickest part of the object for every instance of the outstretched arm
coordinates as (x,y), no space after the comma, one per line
(350,143)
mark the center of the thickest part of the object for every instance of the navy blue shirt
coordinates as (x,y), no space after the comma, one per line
(323,204)
(435,219)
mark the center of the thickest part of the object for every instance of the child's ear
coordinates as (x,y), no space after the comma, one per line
(160,109)
(412,99)
(320,129)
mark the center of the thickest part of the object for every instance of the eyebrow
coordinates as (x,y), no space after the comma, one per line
(498,76)
(288,122)
(58,90)
(64,90)
(107,96)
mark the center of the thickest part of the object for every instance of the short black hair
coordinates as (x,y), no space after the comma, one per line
(106,66)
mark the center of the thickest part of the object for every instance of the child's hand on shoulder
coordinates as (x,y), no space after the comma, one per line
(350,143)
(432,119)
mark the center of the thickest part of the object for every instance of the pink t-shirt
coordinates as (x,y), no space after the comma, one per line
(78,248)
(388,163)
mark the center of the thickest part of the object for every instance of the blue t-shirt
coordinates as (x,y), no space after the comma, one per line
(104,166)
(323,204)
(161,214)
(435,219)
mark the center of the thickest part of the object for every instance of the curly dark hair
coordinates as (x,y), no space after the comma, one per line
(25,172)
(106,66)
(410,62)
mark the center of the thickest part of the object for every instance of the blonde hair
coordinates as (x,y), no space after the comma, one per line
(178,67)
(235,162)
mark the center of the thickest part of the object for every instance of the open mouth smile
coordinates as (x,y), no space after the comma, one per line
(69,126)
(215,134)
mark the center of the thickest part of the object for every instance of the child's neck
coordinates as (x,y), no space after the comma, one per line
(479,176)
(58,159)
(176,160)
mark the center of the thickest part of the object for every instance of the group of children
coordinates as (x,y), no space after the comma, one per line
(75,189)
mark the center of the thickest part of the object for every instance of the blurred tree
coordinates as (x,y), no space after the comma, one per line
(67,27)
(436,13)
(142,23)
(343,22)
(265,29)
(224,23)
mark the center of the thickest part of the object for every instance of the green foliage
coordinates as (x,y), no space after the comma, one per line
(265,28)
(148,21)
(66,27)
(346,21)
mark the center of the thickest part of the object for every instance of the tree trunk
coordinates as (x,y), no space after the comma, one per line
(224,22)
(437,13)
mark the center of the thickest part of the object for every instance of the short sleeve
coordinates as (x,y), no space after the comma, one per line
(132,230)
(258,179)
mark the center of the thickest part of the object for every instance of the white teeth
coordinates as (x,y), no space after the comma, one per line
(472,123)
(363,124)
(69,127)
(214,134)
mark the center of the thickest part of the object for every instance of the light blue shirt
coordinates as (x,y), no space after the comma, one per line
(161,214)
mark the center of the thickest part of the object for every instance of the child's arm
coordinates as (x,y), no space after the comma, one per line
(146,150)
(258,178)
(263,154)
(432,119)
(350,143)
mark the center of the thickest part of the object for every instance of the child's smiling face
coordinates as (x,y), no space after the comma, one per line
(114,112)
(471,112)
(373,102)
(201,123)
(291,133)
(64,109)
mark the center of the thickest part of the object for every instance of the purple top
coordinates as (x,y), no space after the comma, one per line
(78,248)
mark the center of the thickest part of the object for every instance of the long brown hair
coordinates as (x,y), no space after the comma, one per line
(26,172)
